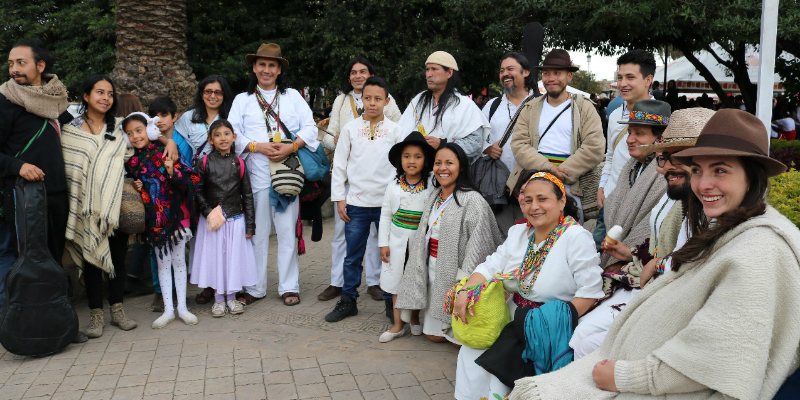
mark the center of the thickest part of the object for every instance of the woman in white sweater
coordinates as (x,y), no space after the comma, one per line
(723,322)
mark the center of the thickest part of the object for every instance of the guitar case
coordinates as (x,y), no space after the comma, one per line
(37,318)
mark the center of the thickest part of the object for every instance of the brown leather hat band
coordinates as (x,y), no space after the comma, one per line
(729,143)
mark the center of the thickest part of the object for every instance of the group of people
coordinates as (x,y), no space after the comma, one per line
(647,263)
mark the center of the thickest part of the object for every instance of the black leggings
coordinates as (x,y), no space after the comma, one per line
(93,276)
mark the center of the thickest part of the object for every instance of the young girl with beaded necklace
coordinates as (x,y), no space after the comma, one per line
(402,209)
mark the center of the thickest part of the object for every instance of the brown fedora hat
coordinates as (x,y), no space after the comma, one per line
(268,50)
(732,132)
(558,59)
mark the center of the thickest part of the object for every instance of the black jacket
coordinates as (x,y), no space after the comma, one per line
(17,127)
(220,185)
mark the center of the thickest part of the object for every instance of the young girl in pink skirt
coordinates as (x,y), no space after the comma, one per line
(223,255)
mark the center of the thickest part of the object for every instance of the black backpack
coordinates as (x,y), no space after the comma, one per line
(37,317)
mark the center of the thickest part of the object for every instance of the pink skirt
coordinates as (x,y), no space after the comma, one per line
(224,259)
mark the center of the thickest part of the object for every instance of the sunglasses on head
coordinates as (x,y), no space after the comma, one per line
(662,159)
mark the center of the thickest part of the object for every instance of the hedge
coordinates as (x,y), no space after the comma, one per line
(784,195)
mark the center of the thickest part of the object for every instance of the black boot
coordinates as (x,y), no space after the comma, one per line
(346,307)
(389,310)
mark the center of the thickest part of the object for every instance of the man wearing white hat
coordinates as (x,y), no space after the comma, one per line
(442,113)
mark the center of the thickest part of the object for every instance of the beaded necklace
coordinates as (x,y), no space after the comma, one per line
(534,259)
(440,206)
(407,187)
(268,108)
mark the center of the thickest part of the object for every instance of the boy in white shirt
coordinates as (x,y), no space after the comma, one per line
(362,160)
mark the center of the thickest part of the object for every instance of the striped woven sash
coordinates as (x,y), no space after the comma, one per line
(434,248)
(555,159)
(407,219)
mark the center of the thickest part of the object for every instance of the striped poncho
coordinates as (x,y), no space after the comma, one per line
(95,171)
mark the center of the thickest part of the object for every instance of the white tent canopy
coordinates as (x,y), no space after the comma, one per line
(688,77)
(570,89)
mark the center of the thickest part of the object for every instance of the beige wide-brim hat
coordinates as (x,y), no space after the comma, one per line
(268,50)
(683,129)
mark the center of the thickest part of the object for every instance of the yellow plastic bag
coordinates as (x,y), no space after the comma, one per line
(491,316)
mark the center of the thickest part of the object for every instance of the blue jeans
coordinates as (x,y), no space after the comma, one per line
(8,254)
(356,233)
(599,231)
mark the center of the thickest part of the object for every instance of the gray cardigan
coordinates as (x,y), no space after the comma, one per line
(467,235)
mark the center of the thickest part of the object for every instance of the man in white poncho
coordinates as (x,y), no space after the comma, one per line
(442,113)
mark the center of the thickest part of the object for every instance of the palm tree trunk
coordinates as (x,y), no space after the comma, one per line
(151,51)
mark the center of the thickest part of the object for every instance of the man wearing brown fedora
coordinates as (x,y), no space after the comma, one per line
(268,107)
(668,231)
(442,113)
(560,132)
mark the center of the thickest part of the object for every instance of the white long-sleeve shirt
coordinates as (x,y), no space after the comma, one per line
(362,161)
(249,125)
(571,269)
(616,157)
(499,122)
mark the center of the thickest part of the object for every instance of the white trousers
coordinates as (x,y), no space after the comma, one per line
(285,227)
(372,257)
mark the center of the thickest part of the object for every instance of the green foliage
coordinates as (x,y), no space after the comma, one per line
(80,34)
(784,195)
(776,145)
(579,80)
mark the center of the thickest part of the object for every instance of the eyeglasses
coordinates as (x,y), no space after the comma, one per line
(209,92)
(662,159)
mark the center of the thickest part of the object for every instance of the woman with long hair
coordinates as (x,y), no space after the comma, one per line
(720,323)
(456,232)
(212,101)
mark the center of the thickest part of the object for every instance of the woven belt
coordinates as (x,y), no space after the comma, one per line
(434,248)
(407,219)
(522,302)
(555,159)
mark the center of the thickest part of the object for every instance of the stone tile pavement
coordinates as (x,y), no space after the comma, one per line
(270,352)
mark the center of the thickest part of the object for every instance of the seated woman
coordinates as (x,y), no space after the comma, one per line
(559,261)
(459,232)
(720,323)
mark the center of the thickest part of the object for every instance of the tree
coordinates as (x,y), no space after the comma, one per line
(151,51)
(686,25)
(580,79)
(80,34)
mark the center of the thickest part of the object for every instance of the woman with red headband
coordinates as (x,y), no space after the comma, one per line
(551,258)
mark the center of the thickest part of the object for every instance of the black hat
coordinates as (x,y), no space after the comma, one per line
(416,139)
(649,112)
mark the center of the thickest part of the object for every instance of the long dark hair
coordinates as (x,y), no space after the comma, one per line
(571,207)
(280,81)
(450,91)
(128,103)
(530,81)
(199,107)
(346,86)
(427,165)
(88,85)
(40,53)
(705,235)
(463,182)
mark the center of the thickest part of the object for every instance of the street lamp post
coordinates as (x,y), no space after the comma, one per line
(588,71)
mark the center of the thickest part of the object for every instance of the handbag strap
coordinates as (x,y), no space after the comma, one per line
(513,122)
(353,107)
(36,136)
(272,113)
(553,121)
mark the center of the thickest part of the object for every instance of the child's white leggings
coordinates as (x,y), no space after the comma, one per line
(167,259)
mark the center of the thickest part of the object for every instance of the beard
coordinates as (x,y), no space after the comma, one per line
(26,82)
(678,192)
(555,94)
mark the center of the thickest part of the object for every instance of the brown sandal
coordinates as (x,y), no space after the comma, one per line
(288,295)
(247,298)
(205,296)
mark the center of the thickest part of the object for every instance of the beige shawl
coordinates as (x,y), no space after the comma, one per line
(94,167)
(47,101)
(723,327)
(630,207)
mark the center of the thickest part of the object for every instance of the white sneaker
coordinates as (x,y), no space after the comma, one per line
(218,310)
(416,330)
(163,320)
(235,307)
(389,336)
(187,317)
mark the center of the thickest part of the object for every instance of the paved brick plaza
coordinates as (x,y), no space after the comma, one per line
(270,352)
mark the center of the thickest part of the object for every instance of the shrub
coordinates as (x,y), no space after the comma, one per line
(776,145)
(784,195)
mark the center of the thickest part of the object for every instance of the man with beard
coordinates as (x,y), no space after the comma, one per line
(517,83)
(668,231)
(33,103)
(442,113)
(560,132)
